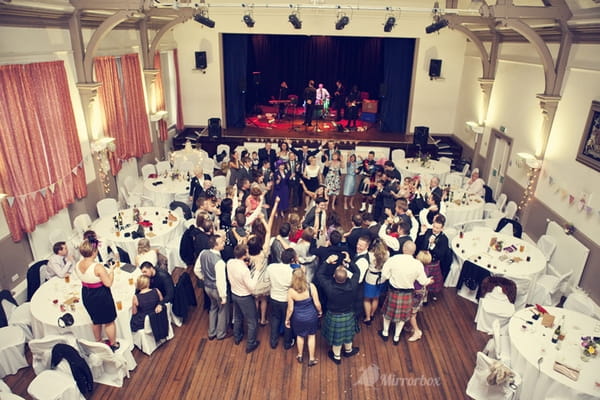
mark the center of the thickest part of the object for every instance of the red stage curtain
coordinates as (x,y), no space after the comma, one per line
(179,125)
(41,165)
(159,97)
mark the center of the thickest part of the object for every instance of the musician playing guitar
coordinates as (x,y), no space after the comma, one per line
(322,100)
(352,102)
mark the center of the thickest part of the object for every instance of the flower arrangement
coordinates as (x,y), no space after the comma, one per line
(424,158)
(590,347)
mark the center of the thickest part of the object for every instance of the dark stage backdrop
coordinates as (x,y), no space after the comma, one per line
(381,67)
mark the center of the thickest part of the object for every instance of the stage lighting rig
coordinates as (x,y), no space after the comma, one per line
(389,24)
(295,21)
(436,26)
(202,18)
(249,21)
(342,22)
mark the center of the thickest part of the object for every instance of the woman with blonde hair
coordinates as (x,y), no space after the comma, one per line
(144,302)
(95,293)
(145,253)
(303,312)
(373,287)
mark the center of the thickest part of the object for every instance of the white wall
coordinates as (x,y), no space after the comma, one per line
(469,105)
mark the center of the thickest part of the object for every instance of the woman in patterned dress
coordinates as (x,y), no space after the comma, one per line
(332,177)
(350,181)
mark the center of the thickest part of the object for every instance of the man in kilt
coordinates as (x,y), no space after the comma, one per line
(340,324)
(401,271)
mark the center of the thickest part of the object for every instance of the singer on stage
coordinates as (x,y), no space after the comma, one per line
(310,97)
(339,100)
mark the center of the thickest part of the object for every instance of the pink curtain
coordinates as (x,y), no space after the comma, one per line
(41,165)
(122,102)
(179,125)
(159,96)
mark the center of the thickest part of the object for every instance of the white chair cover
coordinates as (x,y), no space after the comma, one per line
(511,210)
(494,306)
(162,167)
(208,166)
(220,183)
(107,367)
(82,223)
(446,160)
(54,384)
(580,301)
(107,207)
(398,155)
(12,350)
(549,289)
(501,202)
(144,338)
(148,170)
(21,316)
(547,245)
(41,350)
(478,387)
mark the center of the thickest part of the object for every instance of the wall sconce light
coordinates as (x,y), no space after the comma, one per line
(2,195)
(157,116)
(474,127)
(530,160)
(100,149)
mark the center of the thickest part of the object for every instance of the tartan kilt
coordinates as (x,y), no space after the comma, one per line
(398,305)
(338,329)
(433,270)
(419,296)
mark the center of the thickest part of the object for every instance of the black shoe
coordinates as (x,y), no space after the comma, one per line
(252,347)
(289,345)
(332,357)
(274,344)
(350,353)
(368,323)
(384,337)
(212,337)
(225,337)
(237,340)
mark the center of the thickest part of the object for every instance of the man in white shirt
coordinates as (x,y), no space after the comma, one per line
(60,263)
(215,286)
(280,276)
(402,270)
(322,94)
(242,285)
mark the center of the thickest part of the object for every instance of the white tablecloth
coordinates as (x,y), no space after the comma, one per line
(187,155)
(530,343)
(410,167)
(45,312)
(163,191)
(160,235)
(474,246)
(457,212)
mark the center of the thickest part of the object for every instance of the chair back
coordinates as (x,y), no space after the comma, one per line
(517,229)
(36,274)
(147,170)
(581,302)
(511,209)
(107,207)
(41,350)
(82,223)
(398,155)
(484,386)
(7,306)
(547,245)
(501,201)
(162,167)
(465,169)
(446,160)
(489,194)
(220,183)
(508,287)
(187,212)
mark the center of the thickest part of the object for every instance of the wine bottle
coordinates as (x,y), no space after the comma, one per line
(556,334)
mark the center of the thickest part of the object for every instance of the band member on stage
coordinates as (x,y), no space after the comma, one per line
(310,97)
(283,95)
(352,102)
(339,100)
(322,99)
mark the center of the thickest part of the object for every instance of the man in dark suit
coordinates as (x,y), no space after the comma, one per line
(434,240)
(245,171)
(269,154)
(339,100)
(434,186)
(310,96)
(371,225)
(355,233)
(303,154)
(311,215)
(391,167)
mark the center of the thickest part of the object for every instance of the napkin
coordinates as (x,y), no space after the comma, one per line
(128,268)
(568,371)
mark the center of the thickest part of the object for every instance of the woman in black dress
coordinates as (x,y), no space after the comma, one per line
(144,302)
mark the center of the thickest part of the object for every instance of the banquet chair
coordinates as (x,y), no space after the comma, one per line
(55,384)
(398,155)
(498,347)
(489,194)
(132,192)
(549,288)
(547,245)
(208,166)
(82,223)
(581,302)
(12,350)
(446,160)
(147,170)
(510,226)
(36,275)
(4,388)
(7,305)
(455,180)
(41,350)
(511,210)
(107,207)
(501,202)
(479,388)
(220,183)
(185,209)
(144,339)
(494,305)
(15,315)
(108,368)
(468,226)
(221,155)
(163,167)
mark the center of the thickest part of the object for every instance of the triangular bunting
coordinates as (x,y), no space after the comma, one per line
(588,209)
(11,200)
(51,187)
(32,195)
(22,198)
(43,192)
(571,199)
(74,170)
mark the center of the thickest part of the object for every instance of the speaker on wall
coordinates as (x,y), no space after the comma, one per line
(421,135)
(201,60)
(435,68)
(214,127)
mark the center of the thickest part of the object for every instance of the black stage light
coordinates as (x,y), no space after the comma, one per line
(204,20)
(389,24)
(436,26)
(342,22)
(249,21)
(295,21)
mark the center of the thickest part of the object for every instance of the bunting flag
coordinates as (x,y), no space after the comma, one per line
(74,170)
(51,187)
(43,192)
(578,199)
(589,210)
(11,200)
(571,199)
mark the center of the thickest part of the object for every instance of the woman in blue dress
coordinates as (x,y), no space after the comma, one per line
(350,181)
(281,188)
(303,312)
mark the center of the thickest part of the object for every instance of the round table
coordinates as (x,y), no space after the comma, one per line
(529,343)
(187,155)
(458,211)
(163,191)
(410,167)
(509,262)
(162,233)
(47,300)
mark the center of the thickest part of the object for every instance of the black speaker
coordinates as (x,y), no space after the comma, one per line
(201,60)
(435,68)
(214,127)
(421,135)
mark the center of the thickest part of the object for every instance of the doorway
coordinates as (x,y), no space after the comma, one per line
(499,153)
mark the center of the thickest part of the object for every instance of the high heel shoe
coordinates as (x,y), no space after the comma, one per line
(416,336)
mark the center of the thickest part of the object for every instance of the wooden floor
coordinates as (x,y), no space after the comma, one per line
(192,367)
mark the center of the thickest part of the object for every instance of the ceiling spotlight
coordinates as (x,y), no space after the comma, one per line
(295,21)
(389,24)
(436,26)
(249,21)
(204,20)
(342,22)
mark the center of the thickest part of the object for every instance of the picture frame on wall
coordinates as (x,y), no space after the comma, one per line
(589,148)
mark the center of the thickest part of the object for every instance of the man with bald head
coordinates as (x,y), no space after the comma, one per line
(341,289)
